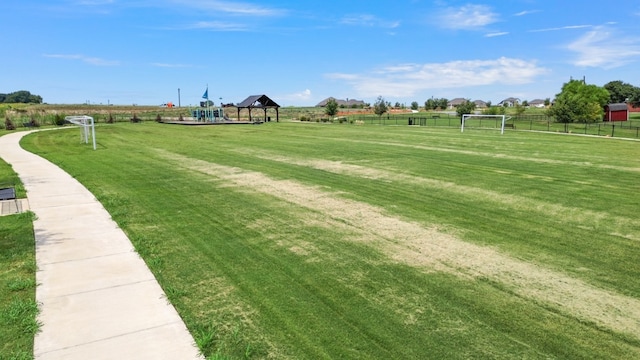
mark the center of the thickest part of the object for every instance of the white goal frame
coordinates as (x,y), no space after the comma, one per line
(469,116)
(87,127)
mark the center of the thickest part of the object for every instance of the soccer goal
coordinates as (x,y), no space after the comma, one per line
(484,121)
(87,128)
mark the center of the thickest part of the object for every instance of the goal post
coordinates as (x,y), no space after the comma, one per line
(466,117)
(87,128)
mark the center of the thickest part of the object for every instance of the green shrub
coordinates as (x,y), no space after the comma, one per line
(33,122)
(8,124)
(59,120)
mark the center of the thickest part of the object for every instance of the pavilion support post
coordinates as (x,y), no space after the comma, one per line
(277,115)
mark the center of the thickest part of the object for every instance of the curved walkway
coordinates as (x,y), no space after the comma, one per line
(98,299)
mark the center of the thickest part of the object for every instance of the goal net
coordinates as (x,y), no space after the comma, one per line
(87,128)
(484,122)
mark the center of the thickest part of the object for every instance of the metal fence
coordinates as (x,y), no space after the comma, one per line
(627,129)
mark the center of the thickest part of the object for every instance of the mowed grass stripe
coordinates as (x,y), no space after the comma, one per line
(478,152)
(573,215)
(427,248)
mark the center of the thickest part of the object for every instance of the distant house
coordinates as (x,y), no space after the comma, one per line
(632,108)
(480,104)
(509,102)
(537,103)
(342,103)
(456,102)
(616,112)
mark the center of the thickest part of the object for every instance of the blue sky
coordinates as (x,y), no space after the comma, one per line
(301,52)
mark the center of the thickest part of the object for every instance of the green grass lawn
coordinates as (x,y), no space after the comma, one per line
(342,241)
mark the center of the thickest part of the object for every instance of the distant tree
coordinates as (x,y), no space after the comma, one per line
(520,109)
(331,109)
(547,101)
(467,107)
(435,104)
(380,106)
(443,103)
(494,110)
(430,104)
(489,104)
(620,92)
(525,103)
(397,105)
(22,96)
(579,102)
(414,105)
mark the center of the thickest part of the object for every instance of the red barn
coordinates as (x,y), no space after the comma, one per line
(616,112)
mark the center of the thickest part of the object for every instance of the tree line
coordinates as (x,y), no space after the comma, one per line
(22,96)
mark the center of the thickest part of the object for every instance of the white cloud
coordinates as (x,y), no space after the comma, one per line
(368,21)
(406,80)
(601,47)
(231,7)
(86,59)
(217,26)
(467,17)
(570,27)
(303,95)
(503,33)
(526,12)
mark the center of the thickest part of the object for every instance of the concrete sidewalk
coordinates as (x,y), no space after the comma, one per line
(98,299)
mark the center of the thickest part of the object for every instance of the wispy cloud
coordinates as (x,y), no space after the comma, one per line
(602,47)
(467,17)
(526,12)
(405,80)
(218,26)
(368,21)
(86,59)
(570,27)
(495,34)
(299,97)
(231,7)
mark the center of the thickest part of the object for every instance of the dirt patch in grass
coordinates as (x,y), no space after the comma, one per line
(429,249)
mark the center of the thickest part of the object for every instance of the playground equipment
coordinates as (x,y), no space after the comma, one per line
(208,114)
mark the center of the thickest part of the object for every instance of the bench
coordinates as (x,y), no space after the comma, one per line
(512,126)
(7,194)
